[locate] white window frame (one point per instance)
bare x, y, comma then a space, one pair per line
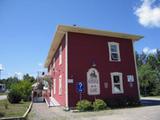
54, 85
110, 52
121, 82
60, 55
60, 85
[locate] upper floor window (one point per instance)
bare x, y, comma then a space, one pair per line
117, 83
60, 55
114, 53
54, 63
50, 69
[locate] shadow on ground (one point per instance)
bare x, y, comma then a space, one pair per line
149, 102
1, 114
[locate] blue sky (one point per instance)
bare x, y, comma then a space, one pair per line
27, 26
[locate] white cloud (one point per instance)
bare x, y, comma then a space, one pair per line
147, 50
0, 66
19, 75
40, 64
148, 13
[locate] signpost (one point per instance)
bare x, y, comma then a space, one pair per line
80, 89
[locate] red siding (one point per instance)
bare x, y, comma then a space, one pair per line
60, 70
85, 49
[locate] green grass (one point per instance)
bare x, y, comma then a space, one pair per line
156, 96
3, 93
152, 96
13, 110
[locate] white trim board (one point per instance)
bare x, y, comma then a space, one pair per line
66, 70
135, 62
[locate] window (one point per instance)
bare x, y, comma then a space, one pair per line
53, 63
60, 55
54, 85
117, 83
60, 85
50, 69
114, 54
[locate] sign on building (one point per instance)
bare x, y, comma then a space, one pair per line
80, 87
93, 83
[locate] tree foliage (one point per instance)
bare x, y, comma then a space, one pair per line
149, 73
12, 80
20, 89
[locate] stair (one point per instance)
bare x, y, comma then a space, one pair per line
51, 102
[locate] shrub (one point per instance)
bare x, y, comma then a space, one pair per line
25, 89
121, 102
84, 105
20, 90
131, 101
99, 104
14, 96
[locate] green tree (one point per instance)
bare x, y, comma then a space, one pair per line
148, 78
29, 78
21, 90
25, 87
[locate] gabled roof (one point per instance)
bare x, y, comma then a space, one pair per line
62, 29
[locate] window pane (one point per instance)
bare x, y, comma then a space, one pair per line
116, 79
113, 48
114, 56
117, 88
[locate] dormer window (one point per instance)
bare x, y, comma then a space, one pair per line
114, 53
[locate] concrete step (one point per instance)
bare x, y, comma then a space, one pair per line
51, 102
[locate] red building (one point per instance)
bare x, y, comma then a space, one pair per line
102, 61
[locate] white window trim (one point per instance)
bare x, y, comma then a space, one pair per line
110, 57
54, 85
60, 55
66, 69
121, 82
60, 85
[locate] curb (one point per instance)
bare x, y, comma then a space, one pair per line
28, 110
21, 117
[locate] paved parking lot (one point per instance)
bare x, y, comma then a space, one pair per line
40, 111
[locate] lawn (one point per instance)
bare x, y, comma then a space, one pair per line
13, 110
156, 96
3, 93
153, 96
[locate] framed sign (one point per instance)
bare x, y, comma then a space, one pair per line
130, 78
70, 80
93, 83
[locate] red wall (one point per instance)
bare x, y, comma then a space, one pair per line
60, 70
83, 49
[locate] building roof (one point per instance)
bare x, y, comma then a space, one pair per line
62, 29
